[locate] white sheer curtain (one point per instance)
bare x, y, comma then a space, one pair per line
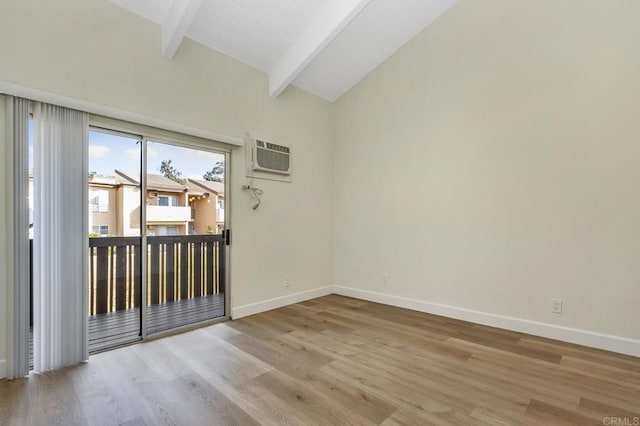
16, 137
21, 271
60, 245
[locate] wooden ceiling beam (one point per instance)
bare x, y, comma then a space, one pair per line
313, 40
177, 24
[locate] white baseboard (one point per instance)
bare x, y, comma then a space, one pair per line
617, 344
278, 302
3, 368
607, 342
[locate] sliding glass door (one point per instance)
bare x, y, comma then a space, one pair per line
115, 239
156, 241
184, 223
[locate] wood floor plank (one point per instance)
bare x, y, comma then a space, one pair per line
602, 371
261, 405
334, 360
269, 324
451, 381
312, 405
419, 397
201, 403
123, 374
15, 397
599, 410
498, 416
290, 315
216, 360
57, 400
549, 413
355, 398
625, 362
545, 380
94, 397
278, 354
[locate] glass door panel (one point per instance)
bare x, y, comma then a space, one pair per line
185, 247
115, 258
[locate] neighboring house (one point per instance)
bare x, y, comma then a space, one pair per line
103, 217
103, 212
172, 208
168, 212
206, 199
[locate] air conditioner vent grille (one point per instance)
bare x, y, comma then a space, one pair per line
271, 157
275, 161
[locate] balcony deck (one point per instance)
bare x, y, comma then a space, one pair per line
121, 327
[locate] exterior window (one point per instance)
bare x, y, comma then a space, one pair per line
221, 204
102, 230
167, 230
167, 200
99, 201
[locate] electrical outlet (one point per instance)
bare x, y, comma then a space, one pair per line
287, 284
385, 280
556, 306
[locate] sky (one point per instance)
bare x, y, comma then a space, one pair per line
108, 152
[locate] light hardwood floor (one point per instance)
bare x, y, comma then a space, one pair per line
335, 360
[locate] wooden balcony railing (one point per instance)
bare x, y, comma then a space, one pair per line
178, 268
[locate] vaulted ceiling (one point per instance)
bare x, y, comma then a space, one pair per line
323, 47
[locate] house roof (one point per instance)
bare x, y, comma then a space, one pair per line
154, 182
201, 187
100, 180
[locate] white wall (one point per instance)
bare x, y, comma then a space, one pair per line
493, 163
94, 51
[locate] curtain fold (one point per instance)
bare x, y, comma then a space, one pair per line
60, 245
21, 269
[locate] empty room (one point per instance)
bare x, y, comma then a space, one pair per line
303, 212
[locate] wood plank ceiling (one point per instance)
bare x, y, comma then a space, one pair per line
323, 47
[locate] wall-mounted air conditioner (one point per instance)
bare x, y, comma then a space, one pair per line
270, 157
267, 158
